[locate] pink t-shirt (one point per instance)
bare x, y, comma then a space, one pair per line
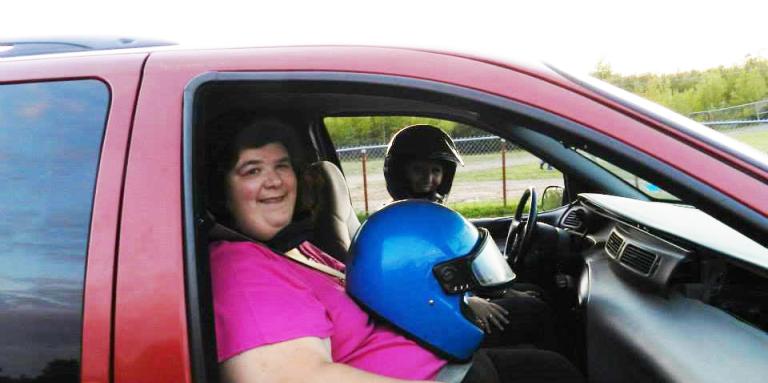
261, 298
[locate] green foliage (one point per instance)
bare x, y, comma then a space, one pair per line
712, 91
604, 72
749, 86
357, 131
552, 198
684, 92
483, 209
692, 91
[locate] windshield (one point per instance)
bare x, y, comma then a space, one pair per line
748, 144
645, 187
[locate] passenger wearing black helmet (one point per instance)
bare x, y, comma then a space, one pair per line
421, 163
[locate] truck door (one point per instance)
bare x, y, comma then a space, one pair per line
64, 127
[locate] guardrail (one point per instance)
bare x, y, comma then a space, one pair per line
736, 122
753, 111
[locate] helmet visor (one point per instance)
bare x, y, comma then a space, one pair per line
489, 267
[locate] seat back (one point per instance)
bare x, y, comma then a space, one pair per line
328, 199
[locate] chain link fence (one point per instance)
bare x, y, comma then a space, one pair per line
468, 145
488, 162
753, 113
494, 171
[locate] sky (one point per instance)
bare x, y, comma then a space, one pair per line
46, 216
633, 37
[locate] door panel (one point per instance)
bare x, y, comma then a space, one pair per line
121, 74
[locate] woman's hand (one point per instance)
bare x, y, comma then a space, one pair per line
488, 314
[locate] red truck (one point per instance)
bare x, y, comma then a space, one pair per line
103, 267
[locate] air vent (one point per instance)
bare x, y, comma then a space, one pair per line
613, 245
638, 259
574, 219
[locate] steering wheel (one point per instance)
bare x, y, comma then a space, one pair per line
520, 232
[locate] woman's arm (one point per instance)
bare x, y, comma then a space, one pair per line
299, 360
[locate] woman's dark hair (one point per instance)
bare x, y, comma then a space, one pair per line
234, 132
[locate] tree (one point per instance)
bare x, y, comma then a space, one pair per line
749, 86
604, 72
693, 91
60, 371
711, 92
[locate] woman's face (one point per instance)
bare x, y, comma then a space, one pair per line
424, 176
262, 191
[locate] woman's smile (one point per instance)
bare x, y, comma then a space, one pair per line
272, 200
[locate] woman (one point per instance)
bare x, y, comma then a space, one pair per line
279, 319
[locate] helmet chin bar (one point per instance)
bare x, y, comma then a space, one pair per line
455, 276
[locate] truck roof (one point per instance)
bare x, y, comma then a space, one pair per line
40, 45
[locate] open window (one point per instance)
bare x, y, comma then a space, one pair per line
331, 117
347, 119
489, 183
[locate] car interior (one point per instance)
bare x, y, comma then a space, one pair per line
642, 288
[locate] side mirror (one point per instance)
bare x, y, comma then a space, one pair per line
552, 198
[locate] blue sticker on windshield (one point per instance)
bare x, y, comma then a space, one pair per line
651, 187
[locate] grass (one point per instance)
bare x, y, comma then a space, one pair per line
482, 209
520, 166
525, 171
755, 138
473, 210
487, 209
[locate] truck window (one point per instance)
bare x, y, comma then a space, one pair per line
50, 139
491, 167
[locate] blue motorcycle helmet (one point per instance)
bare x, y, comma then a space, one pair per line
414, 262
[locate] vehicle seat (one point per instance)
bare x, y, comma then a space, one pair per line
327, 197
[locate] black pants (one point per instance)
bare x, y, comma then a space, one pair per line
530, 323
521, 366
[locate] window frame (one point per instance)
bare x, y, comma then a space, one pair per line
550, 123
83, 361
479, 127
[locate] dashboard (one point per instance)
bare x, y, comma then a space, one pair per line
670, 293
660, 242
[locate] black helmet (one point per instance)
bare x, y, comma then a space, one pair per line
420, 142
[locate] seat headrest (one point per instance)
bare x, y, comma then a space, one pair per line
327, 197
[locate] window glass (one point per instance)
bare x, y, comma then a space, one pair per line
50, 137
478, 187
638, 183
